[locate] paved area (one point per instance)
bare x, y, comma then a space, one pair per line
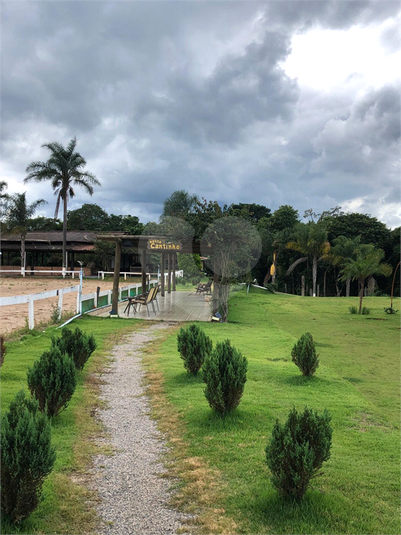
177, 306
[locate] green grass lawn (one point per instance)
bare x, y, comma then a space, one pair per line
66, 504
221, 460
358, 381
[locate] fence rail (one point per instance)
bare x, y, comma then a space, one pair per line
31, 298
85, 303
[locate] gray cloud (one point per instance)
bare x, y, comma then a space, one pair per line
194, 95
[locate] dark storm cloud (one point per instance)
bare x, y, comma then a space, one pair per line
242, 89
171, 95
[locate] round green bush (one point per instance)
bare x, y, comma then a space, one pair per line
27, 457
304, 355
224, 372
194, 346
297, 451
52, 380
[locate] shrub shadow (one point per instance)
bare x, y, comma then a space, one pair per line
303, 380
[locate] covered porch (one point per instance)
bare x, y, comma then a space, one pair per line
174, 306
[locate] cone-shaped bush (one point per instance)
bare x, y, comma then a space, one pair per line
297, 451
52, 380
27, 457
304, 355
224, 372
77, 344
194, 346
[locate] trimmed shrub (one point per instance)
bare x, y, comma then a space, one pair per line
304, 355
27, 457
77, 344
297, 451
224, 372
52, 380
3, 350
194, 346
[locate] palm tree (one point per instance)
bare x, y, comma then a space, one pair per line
281, 238
368, 262
4, 198
65, 170
343, 249
18, 216
311, 240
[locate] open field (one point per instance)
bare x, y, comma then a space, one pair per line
358, 381
220, 461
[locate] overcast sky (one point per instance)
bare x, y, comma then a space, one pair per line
280, 102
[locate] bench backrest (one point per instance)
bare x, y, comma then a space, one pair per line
151, 294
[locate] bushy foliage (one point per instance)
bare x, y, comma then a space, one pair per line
224, 372
52, 380
365, 311
353, 310
27, 457
77, 344
297, 451
3, 350
304, 355
194, 346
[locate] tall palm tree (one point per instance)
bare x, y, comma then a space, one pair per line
368, 262
342, 250
65, 170
18, 216
4, 198
310, 240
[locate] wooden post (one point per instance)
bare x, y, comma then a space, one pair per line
303, 285
143, 268
116, 279
285, 288
162, 274
169, 273
174, 257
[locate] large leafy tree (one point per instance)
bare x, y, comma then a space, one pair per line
65, 170
179, 204
353, 224
18, 216
88, 217
368, 262
311, 241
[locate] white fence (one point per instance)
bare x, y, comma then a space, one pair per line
81, 299
31, 298
101, 274
22, 271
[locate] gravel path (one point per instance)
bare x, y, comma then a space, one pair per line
134, 498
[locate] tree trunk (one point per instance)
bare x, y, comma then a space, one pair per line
64, 232
314, 275
361, 284
347, 287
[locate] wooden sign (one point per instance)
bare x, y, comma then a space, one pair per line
160, 245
